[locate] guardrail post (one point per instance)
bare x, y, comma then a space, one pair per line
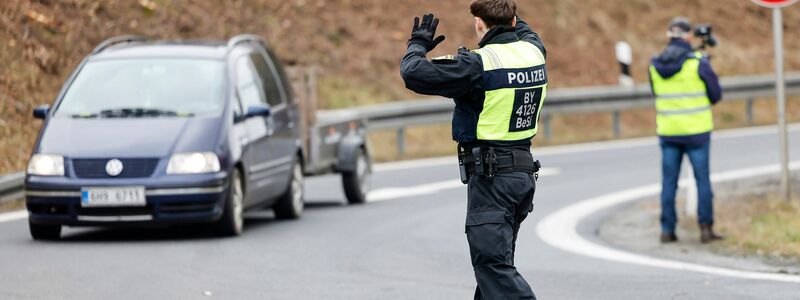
401, 141
749, 105
615, 116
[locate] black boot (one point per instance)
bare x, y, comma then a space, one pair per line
707, 234
668, 238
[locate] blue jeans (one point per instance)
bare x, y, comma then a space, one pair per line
671, 158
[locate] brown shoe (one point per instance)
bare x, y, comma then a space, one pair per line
668, 238
707, 234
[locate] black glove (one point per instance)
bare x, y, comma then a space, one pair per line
422, 34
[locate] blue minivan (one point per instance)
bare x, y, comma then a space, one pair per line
164, 133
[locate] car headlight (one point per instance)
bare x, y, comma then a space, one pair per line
193, 163
46, 165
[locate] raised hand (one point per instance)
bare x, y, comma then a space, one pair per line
423, 34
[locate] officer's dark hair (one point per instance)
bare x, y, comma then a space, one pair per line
494, 12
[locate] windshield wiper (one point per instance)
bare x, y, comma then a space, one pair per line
140, 112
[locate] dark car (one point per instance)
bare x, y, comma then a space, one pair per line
165, 133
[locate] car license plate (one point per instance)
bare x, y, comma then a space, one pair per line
117, 196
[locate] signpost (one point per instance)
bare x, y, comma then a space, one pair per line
780, 86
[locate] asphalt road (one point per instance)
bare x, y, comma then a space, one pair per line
410, 247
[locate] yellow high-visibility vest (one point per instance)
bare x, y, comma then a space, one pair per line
682, 104
515, 85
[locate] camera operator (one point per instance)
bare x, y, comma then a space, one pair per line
685, 87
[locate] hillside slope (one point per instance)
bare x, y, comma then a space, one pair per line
356, 43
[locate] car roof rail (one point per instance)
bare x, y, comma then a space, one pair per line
244, 38
118, 40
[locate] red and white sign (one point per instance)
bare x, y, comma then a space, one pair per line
775, 3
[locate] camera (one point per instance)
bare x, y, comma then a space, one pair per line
704, 32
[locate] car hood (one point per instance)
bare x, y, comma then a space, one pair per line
128, 137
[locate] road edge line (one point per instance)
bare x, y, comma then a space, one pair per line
13, 216
560, 229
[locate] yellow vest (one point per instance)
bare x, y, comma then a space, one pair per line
515, 85
682, 105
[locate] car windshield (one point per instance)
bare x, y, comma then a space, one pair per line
145, 88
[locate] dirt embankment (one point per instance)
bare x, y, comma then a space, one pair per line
356, 43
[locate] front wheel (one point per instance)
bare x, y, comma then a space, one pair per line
45, 232
232, 221
290, 205
357, 183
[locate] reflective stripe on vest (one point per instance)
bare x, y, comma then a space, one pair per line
515, 84
682, 105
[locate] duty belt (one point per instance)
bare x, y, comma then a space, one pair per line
486, 162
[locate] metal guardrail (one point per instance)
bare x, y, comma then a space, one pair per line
402, 114
10, 184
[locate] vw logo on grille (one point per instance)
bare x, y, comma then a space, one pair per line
114, 167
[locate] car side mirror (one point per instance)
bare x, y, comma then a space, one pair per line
257, 110
41, 111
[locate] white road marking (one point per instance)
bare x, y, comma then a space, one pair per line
584, 147
405, 192
559, 229
417, 163
13, 216
392, 193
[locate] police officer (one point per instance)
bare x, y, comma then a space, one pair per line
498, 91
685, 87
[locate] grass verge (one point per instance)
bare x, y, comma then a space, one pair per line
760, 224
754, 221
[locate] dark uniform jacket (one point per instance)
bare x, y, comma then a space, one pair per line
460, 78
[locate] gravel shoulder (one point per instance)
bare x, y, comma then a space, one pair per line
636, 228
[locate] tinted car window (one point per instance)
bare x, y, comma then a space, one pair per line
248, 83
267, 75
185, 86
284, 80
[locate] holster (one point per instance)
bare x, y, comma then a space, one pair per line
462, 167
